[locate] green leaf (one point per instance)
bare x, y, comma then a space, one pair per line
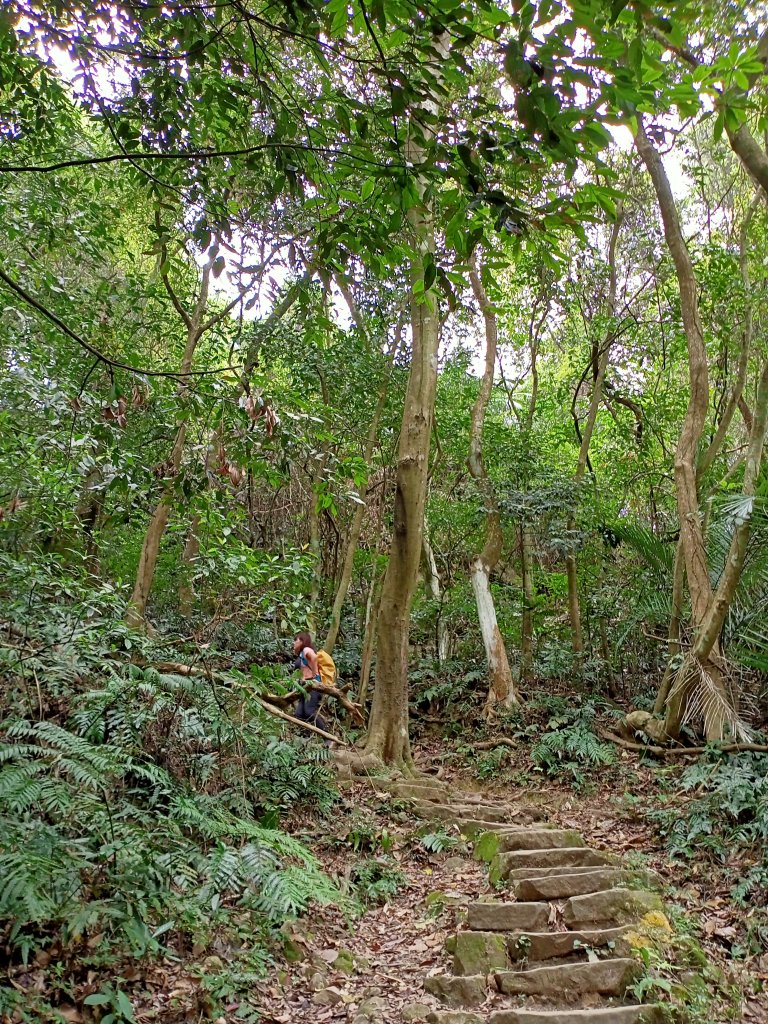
430, 272
125, 1005
97, 999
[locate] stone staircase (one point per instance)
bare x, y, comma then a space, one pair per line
552, 944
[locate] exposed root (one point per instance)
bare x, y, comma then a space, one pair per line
648, 748
502, 741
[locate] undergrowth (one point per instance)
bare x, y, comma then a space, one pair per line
139, 812
725, 820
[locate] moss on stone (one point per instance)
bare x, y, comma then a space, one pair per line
480, 953
486, 847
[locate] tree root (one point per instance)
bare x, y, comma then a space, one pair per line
502, 741
648, 748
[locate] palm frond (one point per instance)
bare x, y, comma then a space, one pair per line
708, 701
657, 554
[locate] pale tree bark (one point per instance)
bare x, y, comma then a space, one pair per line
435, 591
388, 737
735, 400
372, 605
571, 568
704, 667
501, 688
355, 527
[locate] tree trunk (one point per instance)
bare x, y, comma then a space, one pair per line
529, 598
372, 605
501, 688
136, 612
388, 731
709, 671
314, 550
435, 591
188, 559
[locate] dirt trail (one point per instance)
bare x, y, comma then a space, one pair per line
530, 925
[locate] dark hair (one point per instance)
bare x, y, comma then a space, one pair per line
306, 641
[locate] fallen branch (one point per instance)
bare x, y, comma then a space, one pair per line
297, 721
648, 748
490, 744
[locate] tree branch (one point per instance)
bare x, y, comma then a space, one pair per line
107, 360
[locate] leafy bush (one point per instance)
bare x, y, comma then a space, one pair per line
437, 840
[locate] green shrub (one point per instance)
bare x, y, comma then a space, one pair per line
729, 815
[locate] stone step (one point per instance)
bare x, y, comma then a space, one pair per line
558, 887
516, 874
604, 977
602, 1015
454, 1017
617, 906
573, 856
492, 813
468, 990
418, 791
548, 945
507, 917
540, 839
474, 814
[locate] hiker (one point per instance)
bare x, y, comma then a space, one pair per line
307, 661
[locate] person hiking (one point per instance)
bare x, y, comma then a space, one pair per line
308, 707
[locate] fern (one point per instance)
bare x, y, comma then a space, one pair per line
124, 836
571, 745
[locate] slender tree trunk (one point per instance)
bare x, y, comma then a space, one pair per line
372, 606
188, 559
501, 688
709, 671
388, 730
435, 590
529, 599
673, 636
136, 612
571, 568
314, 550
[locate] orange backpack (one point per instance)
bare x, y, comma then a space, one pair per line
327, 667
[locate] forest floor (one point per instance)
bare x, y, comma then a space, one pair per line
361, 970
